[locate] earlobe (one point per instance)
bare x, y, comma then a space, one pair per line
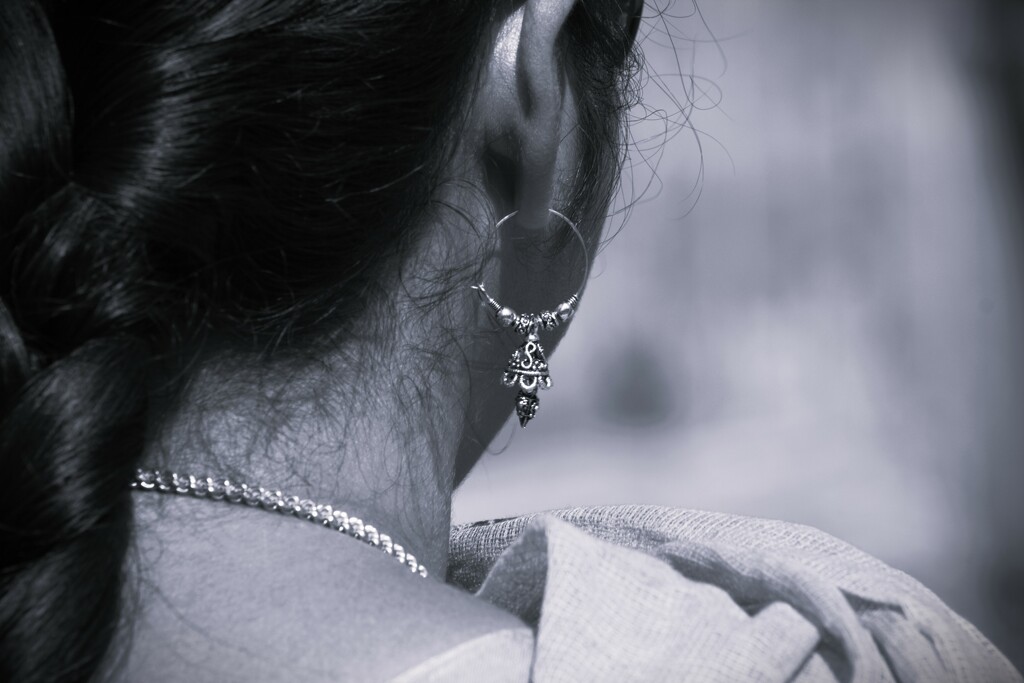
529, 104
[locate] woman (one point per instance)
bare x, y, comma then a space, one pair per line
240, 240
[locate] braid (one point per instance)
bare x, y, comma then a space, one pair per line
72, 405
66, 455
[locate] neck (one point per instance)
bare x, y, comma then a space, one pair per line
384, 454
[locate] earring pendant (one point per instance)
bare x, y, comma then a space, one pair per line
527, 368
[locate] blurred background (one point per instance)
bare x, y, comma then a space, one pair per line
814, 309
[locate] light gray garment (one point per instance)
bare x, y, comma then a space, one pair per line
639, 593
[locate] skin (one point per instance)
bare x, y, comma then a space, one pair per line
379, 426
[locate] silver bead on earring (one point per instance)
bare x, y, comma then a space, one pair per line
528, 366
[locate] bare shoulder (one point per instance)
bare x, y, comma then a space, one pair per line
259, 602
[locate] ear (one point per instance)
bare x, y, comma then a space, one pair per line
528, 108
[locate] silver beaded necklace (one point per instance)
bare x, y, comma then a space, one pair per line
274, 501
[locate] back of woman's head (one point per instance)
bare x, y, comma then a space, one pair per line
170, 169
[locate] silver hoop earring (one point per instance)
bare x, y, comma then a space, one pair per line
528, 366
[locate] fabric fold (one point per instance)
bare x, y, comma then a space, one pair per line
636, 593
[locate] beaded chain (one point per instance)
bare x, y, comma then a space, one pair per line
274, 501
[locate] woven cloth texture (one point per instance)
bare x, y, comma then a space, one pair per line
642, 593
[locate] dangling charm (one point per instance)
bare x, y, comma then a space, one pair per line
526, 407
527, 369
528, 366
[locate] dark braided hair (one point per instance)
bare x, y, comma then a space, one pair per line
172, 167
